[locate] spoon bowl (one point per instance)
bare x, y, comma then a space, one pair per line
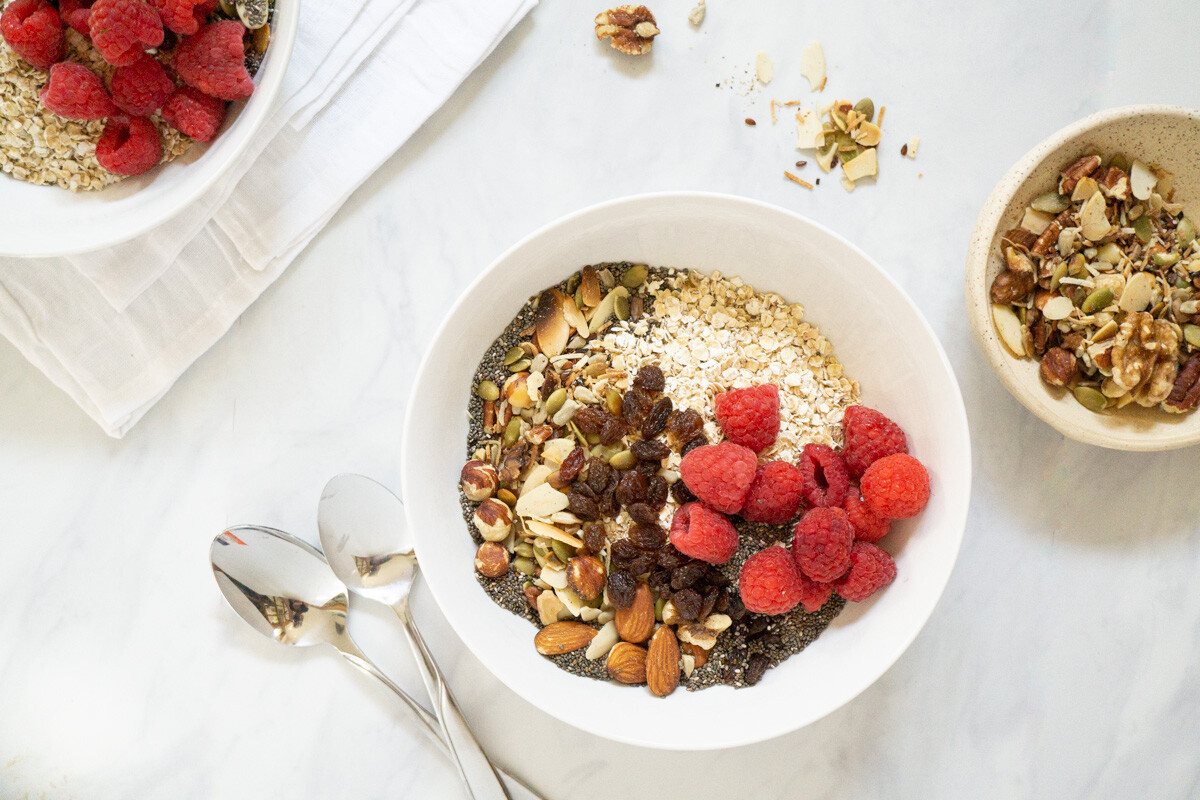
365, 537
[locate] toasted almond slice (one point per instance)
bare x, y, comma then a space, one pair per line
809, 135
1138, 292
1142, 180
551, 324
764, 68
574, 316
868, 134
549, 607
1092, 220
539, 528
589, 287
536, 477
1058, 307
1086, 187
541, 501
864, 165
812, 66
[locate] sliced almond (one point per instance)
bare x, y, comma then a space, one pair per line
865, 165
868, 134
589, 287
662, 662
1139, 290
764, 68
549, 607
1142, 180
809, 134
539, 528
1092, 220
636, 623
554, 578
563, 637
627, 663
603, 641
574, 316
541, 501
537, 476
1057, 307
550, 323
1086, 187
812, 66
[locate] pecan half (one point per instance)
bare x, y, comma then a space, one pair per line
1071, 175
630, 29
1113, 182
1185, 394
1049, 237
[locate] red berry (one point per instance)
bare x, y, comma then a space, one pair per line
868, 526
77, 14
896, 486
775, 494
749, 417
142, 87
194, 113
813, 595
719, 474
769, 582
75, 92
124, 29
34, 31
182, 16
824, 475
129, 145
869, 437
822, 544
214, 61
871, 569
702, 533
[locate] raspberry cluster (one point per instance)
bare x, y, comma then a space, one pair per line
209, 59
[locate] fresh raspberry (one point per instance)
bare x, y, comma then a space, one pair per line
896, 486
702, 533
142, 87
869, 437
813, 595
822, 544
769, 582
129, 145
214, 61
774, 497
194, 113
719, 474
34, 31
749, 417
824, 475
182, 16
78, 15
871, 569
75, 92
868, 526
124, 29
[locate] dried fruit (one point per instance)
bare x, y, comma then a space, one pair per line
650, 450
662, 662
647, 536
756, 667
563, 637
635, 623
622, 589
656, 420
627, 663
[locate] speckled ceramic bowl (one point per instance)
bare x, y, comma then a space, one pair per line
1165, 136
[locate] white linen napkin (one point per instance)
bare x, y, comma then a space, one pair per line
116, 359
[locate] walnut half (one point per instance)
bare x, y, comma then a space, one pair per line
1185, 396
630, 29
1143, 358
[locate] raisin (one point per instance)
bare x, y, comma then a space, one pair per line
771, 640
642, 564
687, 603
656, 492
710, 602
582, 507
684, 424
650, 450
582, 488
572, 465
623, 551
693, 443
642, 513
635, 406
685, 576
612, 430
610, 506
756, 628
598, 475
715, 577
647, 537
755, 668
734, 607
589, 419
621, 588
594, 536
650, 378
670, 558
632, 488
660, 582
656, 420
681, 493
648, 468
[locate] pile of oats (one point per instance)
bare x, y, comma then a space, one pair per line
38, 146
710, 334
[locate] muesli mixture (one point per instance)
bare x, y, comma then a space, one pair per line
1102, 285
641, 442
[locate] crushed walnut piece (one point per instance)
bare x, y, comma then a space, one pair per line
630, 29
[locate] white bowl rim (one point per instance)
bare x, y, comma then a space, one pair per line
978, 310
450, 610
251, 118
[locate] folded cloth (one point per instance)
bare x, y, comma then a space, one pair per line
117, 362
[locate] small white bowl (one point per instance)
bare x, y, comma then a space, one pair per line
880, 337
49, 221
1164, 136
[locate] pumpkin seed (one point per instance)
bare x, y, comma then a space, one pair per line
621, 307
1185, 231
1192, 334
523, 565
866, 107
1090, 398
612, 399
512, 432
593, 438
625, 459
1051, 203
1165, 259
605, 451
1059, 273
514, 355
488, 390
635, 276
554, 402
519, 366
573, 283
1097, 300
524, 549
507, 497
563, 550
1077, 266
1143, 230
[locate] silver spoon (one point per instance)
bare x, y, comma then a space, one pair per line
283, 587
365, 537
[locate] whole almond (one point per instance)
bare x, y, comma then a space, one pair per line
636, 623
563, 637
627, 663
662, 662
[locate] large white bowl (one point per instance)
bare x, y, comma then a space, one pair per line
880, 337
49, 221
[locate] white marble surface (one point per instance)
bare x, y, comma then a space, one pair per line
1062, 661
